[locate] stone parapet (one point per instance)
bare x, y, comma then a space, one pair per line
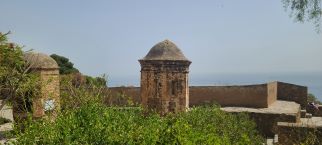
266, 118
292, 92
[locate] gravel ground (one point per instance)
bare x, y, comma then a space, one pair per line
6, 112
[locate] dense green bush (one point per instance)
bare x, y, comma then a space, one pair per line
97, 124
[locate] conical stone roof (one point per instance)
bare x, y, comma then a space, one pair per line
165, 50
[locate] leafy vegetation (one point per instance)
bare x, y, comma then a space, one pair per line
65, 66
15, 80
67, 69
94, 123
86, 119
312, 98
74, 96
305, 10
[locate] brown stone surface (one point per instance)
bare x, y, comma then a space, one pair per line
292, 92
256, 96
294, 133
128, 92
164, 79
267, 118
271, 92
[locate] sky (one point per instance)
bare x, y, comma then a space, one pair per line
218, 36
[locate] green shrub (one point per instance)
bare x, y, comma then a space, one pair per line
97, 124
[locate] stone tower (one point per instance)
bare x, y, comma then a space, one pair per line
164, 79
46, 100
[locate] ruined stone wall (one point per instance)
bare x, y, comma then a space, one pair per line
291, 92
266, 123
296, 133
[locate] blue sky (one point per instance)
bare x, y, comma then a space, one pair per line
109, 36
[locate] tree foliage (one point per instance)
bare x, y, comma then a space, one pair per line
305, 10
15, 80
312, 98
65, 66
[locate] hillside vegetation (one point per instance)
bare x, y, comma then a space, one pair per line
97, 124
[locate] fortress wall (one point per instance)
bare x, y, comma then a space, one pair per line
291, 92
241, 96
257, 96
131, 92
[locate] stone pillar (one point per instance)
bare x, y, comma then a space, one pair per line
45, 100
164, 79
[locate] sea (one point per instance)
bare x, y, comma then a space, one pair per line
312, 80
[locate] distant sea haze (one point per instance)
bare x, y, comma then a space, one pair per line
312, 80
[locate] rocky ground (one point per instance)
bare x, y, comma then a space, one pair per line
6, 112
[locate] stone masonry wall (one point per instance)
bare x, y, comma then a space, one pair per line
291, 92
247, 96
260, 95
50, 93
129, 92
242, 96
165, 86
296, 133
267, 122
